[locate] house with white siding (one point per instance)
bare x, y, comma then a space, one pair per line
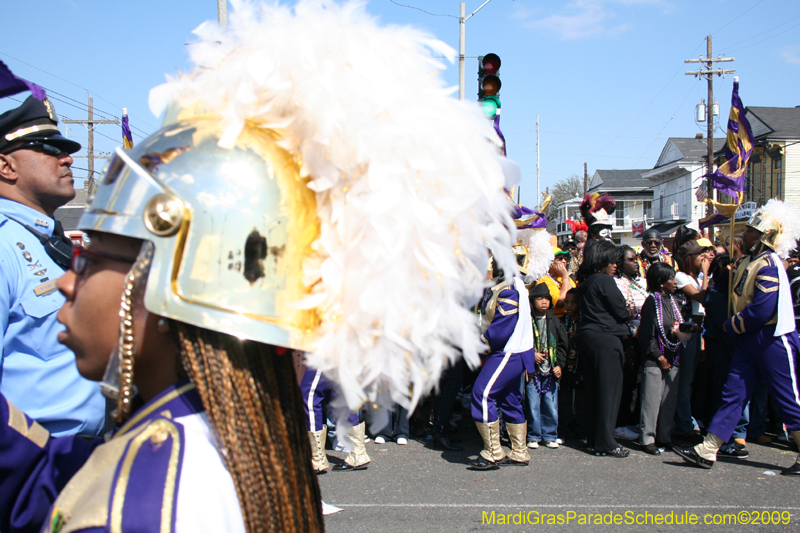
774, 167
675, 179
634, 197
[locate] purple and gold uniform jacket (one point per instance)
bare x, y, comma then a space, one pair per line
161, 471
500, 310
755, 295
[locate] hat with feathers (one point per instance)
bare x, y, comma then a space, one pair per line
597, 208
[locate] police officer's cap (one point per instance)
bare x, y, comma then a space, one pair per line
33, 121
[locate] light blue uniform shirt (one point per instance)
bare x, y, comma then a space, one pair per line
37, 373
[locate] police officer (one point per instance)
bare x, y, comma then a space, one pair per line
37, 373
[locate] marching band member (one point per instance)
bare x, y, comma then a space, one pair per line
766, 342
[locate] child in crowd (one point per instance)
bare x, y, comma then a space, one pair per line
568, 393
550, 344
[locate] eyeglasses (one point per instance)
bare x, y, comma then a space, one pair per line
47, 148
82, 258
651, 243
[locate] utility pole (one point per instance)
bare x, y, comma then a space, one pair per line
585, 179
90, 123
538, 178
708, 73
462, 44
222, 13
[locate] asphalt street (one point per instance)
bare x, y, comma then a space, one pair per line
417, 488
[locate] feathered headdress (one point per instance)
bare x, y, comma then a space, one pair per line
576, 226
534, 239
597, 209
780, 224
409, 190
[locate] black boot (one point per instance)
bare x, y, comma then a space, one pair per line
442, 441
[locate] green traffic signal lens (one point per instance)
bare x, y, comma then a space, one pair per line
490, 106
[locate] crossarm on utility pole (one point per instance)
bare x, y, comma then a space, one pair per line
481, 7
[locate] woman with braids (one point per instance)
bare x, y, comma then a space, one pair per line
604, 322
262, 218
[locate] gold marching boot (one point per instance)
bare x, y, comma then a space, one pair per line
492, 455
794, 470
319, 460
358, 458
518, 434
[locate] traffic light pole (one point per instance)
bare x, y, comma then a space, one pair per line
462, 44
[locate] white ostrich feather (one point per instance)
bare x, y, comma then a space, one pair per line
787, 217
408, 186
540, 251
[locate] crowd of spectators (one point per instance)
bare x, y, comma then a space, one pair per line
637, 350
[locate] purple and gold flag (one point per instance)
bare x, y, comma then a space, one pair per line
127, 136
730, 176
10, 84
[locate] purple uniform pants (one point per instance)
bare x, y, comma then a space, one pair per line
758, 355
498, 387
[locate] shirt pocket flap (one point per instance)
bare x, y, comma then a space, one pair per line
41, 306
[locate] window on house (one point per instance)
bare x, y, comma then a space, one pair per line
620, 211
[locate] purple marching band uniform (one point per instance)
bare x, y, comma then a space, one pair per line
151, 475
509, 337
316, 389
758, 352
766, 346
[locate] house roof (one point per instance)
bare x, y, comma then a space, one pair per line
81, 197
615, 180
774, 122
687, 149
69, 216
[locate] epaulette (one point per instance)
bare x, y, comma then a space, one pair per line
138, 494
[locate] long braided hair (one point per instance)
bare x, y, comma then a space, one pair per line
251, 398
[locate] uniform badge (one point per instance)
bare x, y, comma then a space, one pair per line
27, 256
43, 280
20, 246
42, 272
51, 110
45, 288
42, 223
34, 266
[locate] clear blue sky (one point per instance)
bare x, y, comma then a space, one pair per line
605, 76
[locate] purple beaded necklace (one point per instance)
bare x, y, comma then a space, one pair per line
663, 340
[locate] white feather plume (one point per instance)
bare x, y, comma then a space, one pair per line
540, 251
408, 188
788, 219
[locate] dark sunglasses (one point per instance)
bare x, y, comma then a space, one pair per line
650, 243
47, 148
82, 258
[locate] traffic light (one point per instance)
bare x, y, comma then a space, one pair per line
489, 84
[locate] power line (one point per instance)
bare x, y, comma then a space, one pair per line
426, 12
737, 18
75, 84
670, 120
767, 39
765, 32
643, 110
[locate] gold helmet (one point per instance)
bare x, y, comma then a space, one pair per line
779, 225
230, 229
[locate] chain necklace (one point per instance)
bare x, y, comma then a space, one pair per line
539, 379
663, 340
